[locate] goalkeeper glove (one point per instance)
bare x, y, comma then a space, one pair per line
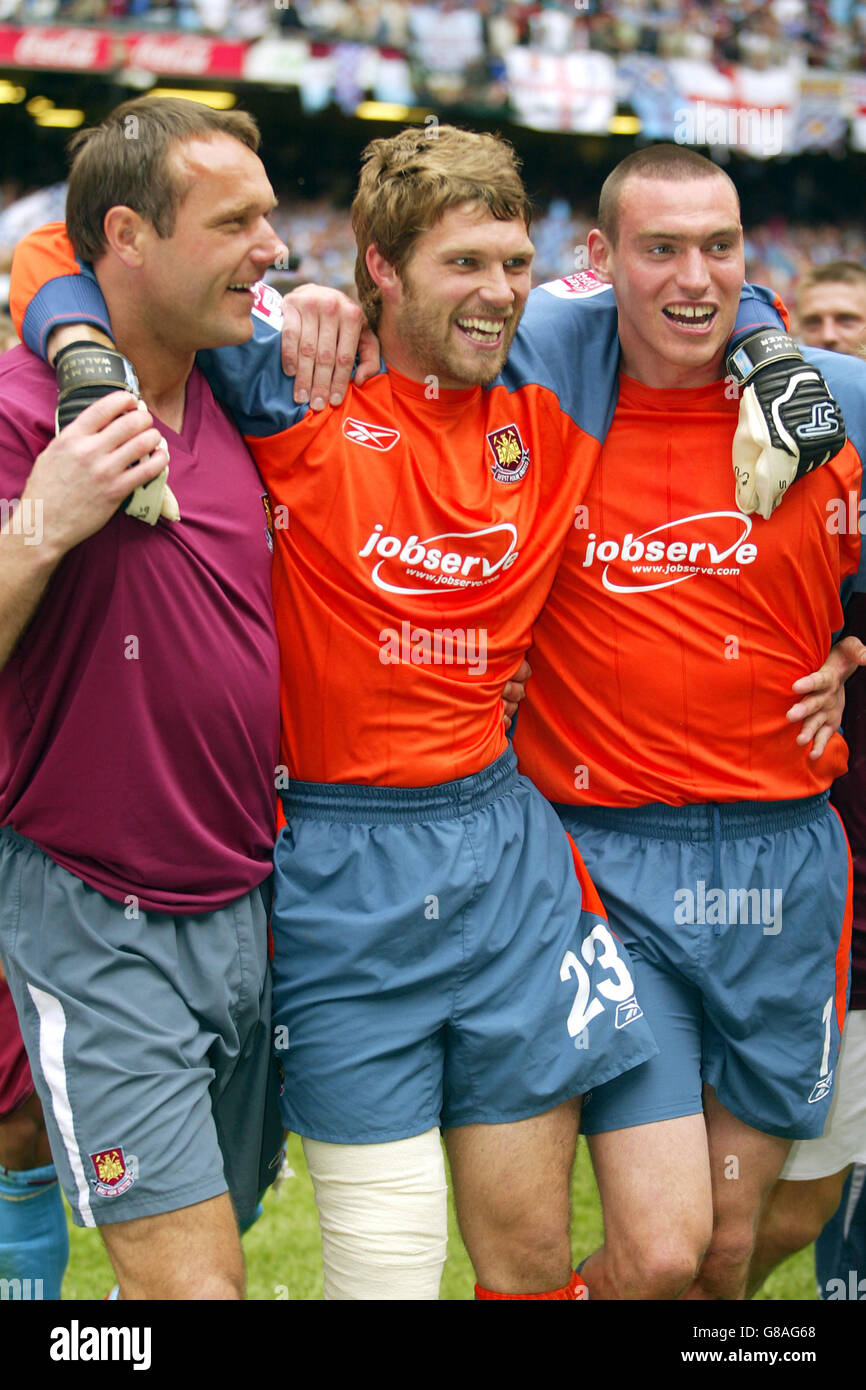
789, 422
85, 373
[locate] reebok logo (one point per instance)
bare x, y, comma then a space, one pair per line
821, 1088
370, 436
627, 1012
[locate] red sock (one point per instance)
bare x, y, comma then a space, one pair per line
575, 1289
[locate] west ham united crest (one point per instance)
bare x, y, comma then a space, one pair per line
510, 456
115, 1173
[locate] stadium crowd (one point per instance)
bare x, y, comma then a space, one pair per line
319, 237
823, 33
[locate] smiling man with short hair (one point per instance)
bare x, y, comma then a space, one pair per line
699, 808
139, 725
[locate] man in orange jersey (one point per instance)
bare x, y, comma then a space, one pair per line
424, 522
663, 667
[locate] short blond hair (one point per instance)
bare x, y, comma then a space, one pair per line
408, 182
830, 273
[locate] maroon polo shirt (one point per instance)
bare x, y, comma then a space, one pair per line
139, 713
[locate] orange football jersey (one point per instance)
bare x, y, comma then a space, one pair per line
664, 659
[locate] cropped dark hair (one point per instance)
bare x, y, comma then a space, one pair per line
128, 161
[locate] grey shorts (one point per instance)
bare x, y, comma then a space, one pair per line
149, 1039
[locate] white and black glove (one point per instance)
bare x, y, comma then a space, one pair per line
85, 373
789, 422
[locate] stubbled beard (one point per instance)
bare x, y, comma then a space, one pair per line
443, 359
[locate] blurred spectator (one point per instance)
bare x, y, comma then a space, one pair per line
552, 28
81, 11
830, 307
212, 15
393, 30
289, 18
778, 253
250, 19
327, 17
446, 37
503, 27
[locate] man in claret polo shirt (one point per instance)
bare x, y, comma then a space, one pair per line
139, 720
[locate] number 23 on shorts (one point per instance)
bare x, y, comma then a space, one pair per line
598, 947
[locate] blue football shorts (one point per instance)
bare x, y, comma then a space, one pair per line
439, 962
737, 919
149, 1040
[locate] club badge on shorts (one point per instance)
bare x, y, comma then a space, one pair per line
115, 1172
510, 455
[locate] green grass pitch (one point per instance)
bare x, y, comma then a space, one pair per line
284, 1259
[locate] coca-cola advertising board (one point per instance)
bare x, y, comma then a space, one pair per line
73, 48
80, 49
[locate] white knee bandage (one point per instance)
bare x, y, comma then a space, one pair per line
383, 1214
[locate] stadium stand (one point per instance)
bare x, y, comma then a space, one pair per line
823, 33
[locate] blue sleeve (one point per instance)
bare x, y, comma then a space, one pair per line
846, 378
68, 299
248, 379
567, 341
757, 309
